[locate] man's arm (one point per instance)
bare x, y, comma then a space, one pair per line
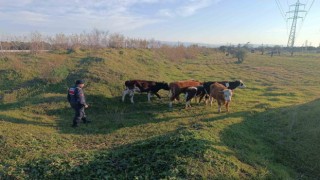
81, 98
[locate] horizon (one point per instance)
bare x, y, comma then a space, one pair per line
194, 21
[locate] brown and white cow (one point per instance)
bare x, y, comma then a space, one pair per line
222, 94
178, 87
229, 84
151, 87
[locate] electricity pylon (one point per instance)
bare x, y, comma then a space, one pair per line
294, 18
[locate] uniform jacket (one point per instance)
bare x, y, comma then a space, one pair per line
76, 96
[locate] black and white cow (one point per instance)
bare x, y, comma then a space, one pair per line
193, 92
150, 87
178, 87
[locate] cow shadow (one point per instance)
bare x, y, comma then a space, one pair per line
282, 140
158, 157
109, 114
106, 113
26, 111
36, 121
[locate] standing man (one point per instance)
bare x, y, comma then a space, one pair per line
77, 101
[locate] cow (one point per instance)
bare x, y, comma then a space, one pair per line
222, 94
229, 84
192, 92
178, 87
151, 87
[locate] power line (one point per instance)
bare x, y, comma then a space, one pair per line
280, 9
309, 8
305, 16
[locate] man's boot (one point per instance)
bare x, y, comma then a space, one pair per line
86, 120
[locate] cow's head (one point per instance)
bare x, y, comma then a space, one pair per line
241, 84
227, 93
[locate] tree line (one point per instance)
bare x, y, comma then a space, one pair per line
95, 39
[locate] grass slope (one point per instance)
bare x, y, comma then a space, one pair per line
272, 131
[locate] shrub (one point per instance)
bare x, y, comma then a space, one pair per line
241, 55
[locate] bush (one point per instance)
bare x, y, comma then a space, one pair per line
54, 74
241, 55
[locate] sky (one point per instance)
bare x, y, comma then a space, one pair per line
197, 21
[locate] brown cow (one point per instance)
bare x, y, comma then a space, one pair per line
222, 94
229, 84
151, 87
178, 87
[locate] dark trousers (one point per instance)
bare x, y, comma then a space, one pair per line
79, 114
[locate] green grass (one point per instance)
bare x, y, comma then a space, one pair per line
272, 131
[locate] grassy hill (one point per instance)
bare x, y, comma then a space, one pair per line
272, 131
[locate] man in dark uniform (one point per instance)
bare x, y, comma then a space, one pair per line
77, 101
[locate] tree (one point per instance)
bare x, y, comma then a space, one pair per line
223, 49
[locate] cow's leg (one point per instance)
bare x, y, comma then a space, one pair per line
207, 98
200, 98
211, 100
124, 93
170, 104
158, 96
188, 104
131, 95
186, 96
227, 106
187, 100
149, 96
219, 106
172, 98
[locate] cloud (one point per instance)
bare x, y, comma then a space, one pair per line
186, 8
192, 7
14, 3
166, 13
113, 15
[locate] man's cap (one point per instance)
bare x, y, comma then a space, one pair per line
80, 81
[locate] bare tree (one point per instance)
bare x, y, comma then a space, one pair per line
94, 39
36, 43
153, 44
116, 41
77, 41
59, 41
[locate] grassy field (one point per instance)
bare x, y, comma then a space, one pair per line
272, 131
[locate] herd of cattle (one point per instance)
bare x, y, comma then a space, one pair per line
221, 91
